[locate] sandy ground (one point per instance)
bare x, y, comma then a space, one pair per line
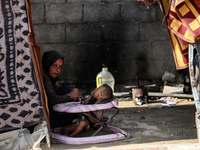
149, 125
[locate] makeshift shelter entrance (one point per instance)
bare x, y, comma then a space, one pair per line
22, 98
182, 18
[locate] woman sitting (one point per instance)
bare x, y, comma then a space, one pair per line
52, 63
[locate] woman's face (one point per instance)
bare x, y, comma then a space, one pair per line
56, 68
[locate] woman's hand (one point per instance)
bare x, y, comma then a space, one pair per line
74, 94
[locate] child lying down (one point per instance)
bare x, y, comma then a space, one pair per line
103, 94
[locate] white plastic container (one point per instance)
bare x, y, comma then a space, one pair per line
105, 77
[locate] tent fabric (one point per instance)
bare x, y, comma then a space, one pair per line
183, 25
21, 90
184, 19
180, 51
37, 63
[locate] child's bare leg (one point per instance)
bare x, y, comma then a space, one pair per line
70, 128
82, 124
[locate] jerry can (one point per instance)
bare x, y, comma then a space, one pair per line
105, 77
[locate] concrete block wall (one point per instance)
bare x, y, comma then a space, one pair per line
122, 34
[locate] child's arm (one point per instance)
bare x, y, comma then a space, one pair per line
86, 101
98, 101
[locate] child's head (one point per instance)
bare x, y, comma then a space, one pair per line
103, 92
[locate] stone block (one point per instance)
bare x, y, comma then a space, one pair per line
128, 31
129, 69
49, 33
137, 13
157, 68
63, 13
159, 13
101, 12
161, 50
118, 31
83, 1
153, 31
37, 13
47, 1
96, 32
75, 52
134, 51
133, 2
111, 1
81, 72
83, 32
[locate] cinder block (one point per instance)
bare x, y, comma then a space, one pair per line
47, 1
111, 1
153, 31
137, 50
159, 13
63, 13
133, 2
161, 50
156, 68
128, 31
137, 13
128, 70
37, 13
101, 12
74, 52
49, 33
95, 32
83, 33
83, 1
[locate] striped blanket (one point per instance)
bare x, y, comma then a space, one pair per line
20, 97
183, 22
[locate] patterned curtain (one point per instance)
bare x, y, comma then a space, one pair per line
21, 88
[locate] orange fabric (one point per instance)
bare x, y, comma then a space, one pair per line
183, 27
180, 50
36, 58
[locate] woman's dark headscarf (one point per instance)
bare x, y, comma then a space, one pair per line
48, 59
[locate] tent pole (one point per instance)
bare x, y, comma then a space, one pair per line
194, 87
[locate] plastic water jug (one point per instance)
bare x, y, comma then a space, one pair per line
105, 77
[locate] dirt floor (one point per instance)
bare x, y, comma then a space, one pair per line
148, 124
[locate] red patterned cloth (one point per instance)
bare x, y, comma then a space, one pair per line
183, 22
184, 25
148, 2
